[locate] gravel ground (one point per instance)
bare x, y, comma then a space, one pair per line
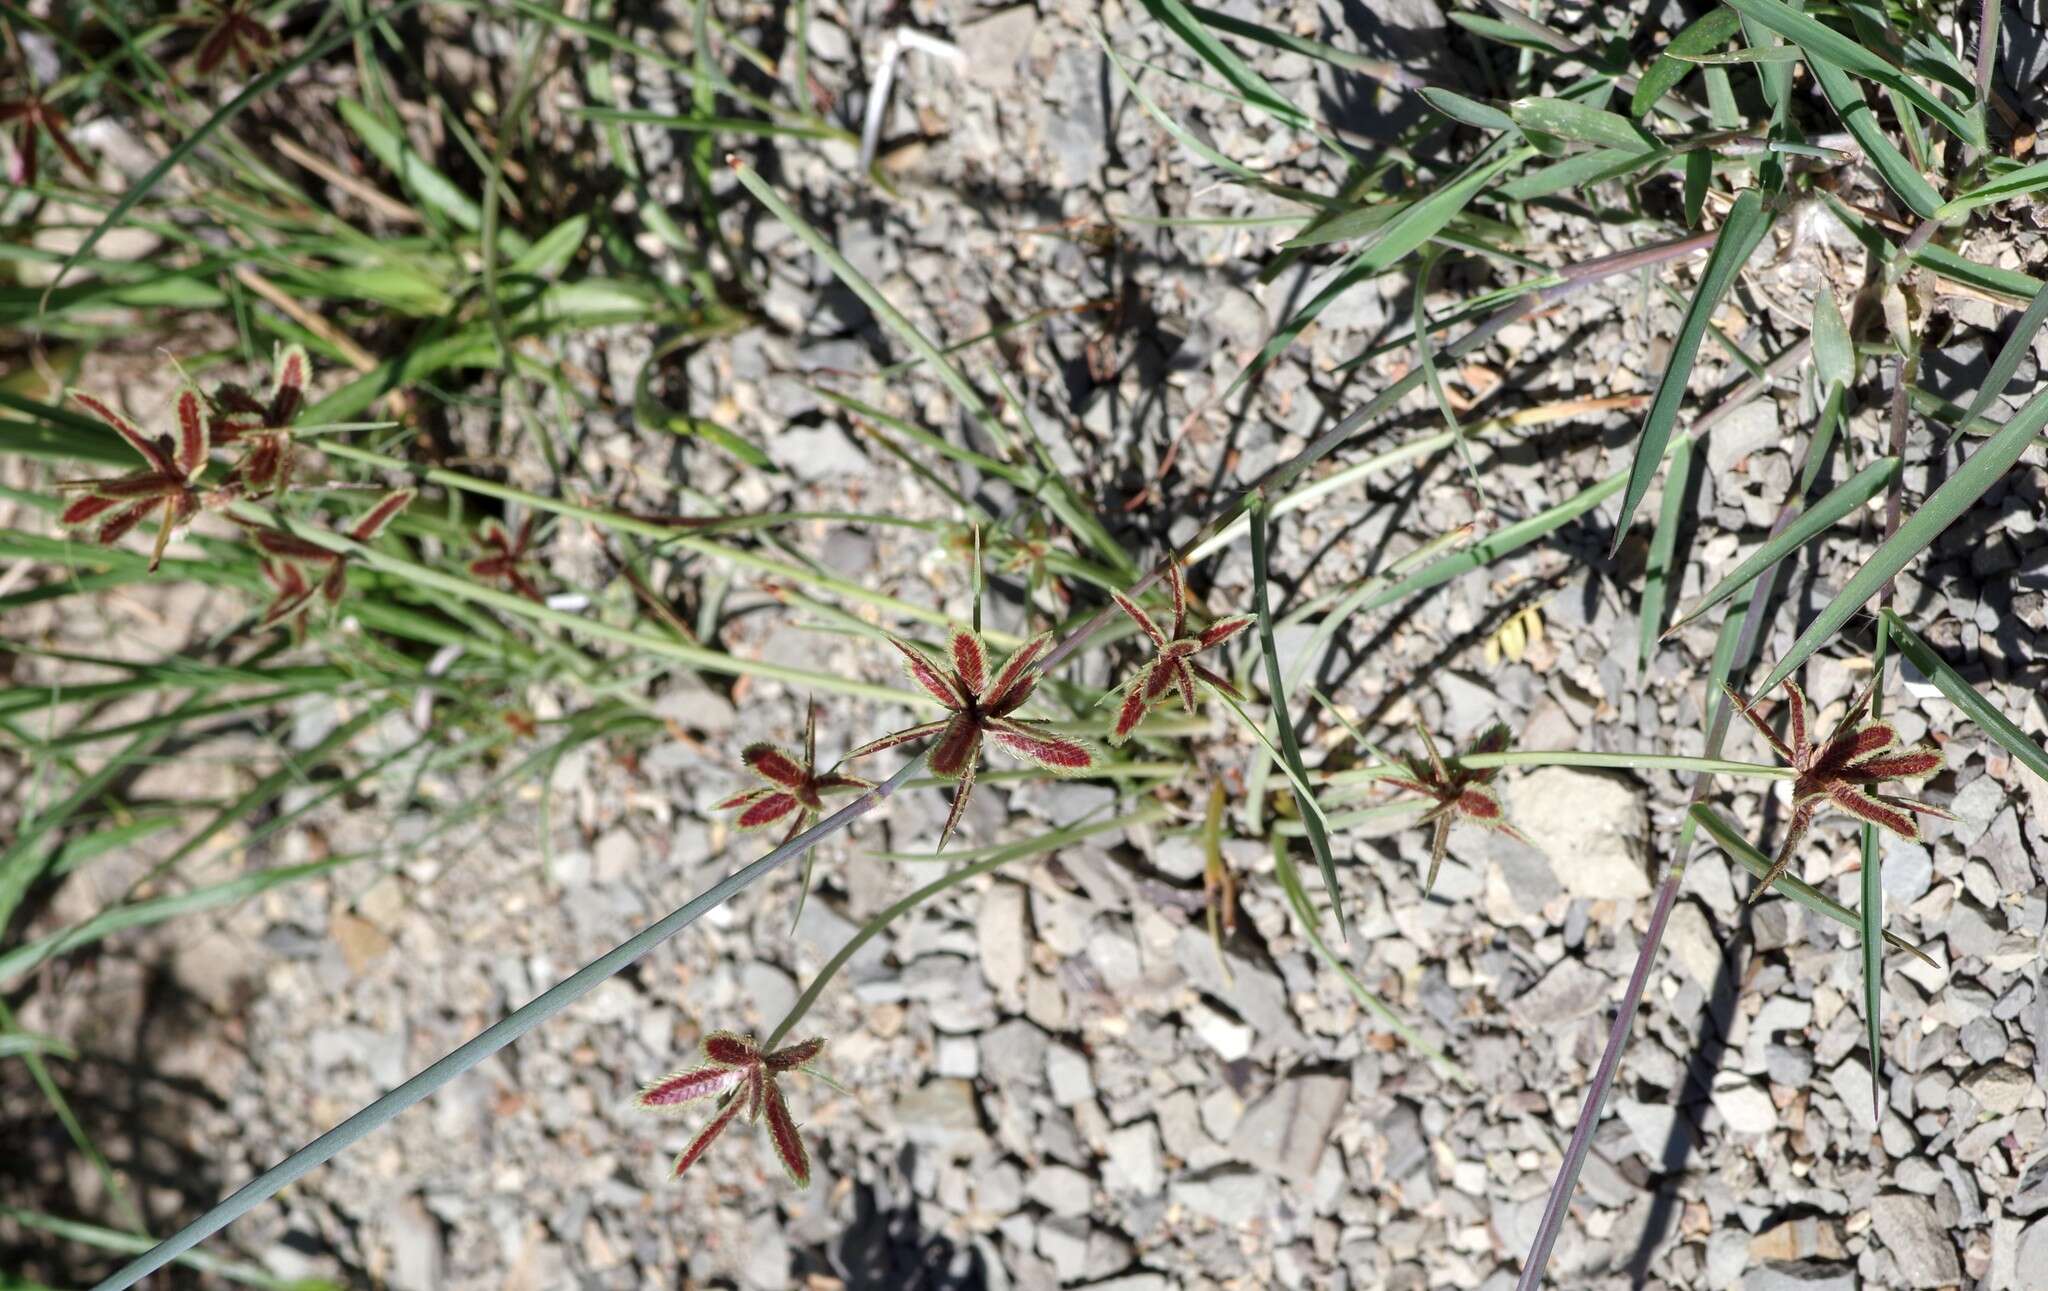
1050, 1077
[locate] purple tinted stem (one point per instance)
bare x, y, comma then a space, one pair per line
1603, 1080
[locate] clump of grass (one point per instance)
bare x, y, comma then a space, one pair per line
485, 294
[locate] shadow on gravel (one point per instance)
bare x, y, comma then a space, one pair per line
885, 1249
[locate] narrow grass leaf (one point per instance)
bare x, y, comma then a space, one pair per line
1175, 17
1710, 30
1283, 721
488, 1041
1699, 173
1418, 221
1817, 519
2010, 356
1978, 473
1834, 353
1304, 910
1826, 45
1663, 544
1747, 222
1745, 853
1898, 171
1965, 696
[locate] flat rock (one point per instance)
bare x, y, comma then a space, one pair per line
1999, 1087
1566, 993
1285, 1132
1233, 1195
1590, 825
1917, 1239
1800, 1275
1746, 1108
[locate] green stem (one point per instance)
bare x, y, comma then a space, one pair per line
1574, 758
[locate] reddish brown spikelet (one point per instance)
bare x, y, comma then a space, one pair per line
32, 116
232, 30
1842, 771
1456, 793
748, 1078
506, 557
980, 708
1172, 668
168, 483
302, 558
797, 785
263, 428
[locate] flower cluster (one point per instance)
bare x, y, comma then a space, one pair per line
261, 433
737, 1068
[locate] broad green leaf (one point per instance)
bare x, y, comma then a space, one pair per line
1984, 277
1979, 472
418, 176
1821, 516
1581, 171
1965, 696
1471, 112
1826, 45
1569, 119
2016, 183
1710, 30
1699, 172
553, 250
1747, 222
1834, 353
1900, 174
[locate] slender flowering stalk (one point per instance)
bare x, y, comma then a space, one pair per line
1172, 666
508, 557
737, 1068
168, 482
981, 709
1843, 772
1463, 793
795, 787
289, 558
263, 427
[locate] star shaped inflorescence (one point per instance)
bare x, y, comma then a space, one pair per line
298, 570
506, 557
981, 708
1172, 666
795, 787
1464, 794
737, 1067
168, 482
1843, 771
262, 427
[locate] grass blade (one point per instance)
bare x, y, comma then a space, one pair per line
1283, 722
1297, 896
1899, 173
1710, 31
2010, 355
1840, 501
1747, 221
1657, 575
1745, 853
489, 1041
1419, 221
1823, 44
1984, 468
1963, 695
1256, 90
